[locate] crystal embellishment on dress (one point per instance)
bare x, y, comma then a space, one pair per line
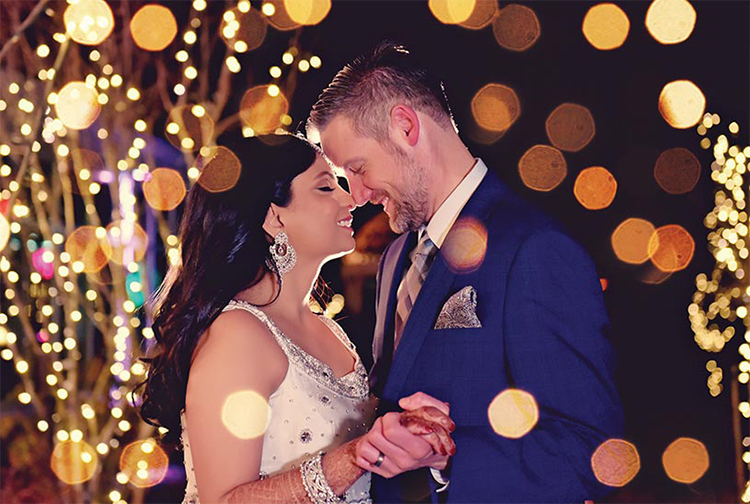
305, 436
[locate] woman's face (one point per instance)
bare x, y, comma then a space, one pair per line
318, 219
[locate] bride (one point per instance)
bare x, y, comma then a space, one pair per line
269, 400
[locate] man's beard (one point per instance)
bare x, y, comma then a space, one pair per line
410, 210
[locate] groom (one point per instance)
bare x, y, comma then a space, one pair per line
525, 313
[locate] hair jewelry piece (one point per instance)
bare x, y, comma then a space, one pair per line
283, 255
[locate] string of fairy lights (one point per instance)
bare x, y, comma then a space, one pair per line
720, 302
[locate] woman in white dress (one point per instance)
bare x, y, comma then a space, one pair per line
269, 400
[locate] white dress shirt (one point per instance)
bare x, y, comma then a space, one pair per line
439, 226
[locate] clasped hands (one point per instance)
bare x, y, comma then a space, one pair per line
417, 437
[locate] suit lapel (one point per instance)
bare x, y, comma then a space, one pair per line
434, 291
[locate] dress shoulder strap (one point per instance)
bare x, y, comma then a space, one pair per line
281, 339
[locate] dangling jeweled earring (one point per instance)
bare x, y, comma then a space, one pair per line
283, 254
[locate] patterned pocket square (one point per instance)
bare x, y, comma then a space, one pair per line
460, 311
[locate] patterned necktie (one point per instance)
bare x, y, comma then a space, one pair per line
421, 260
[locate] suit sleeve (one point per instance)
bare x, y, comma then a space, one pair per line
556, 343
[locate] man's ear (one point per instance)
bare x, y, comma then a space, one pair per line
405, 124
272, 225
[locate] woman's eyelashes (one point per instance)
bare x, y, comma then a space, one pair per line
327, 189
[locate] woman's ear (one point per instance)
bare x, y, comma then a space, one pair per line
272, 225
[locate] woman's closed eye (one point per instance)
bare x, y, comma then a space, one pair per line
327, 189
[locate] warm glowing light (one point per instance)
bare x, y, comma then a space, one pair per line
74, 462
144, 463
682, 104
606, 26
677, 170
670, 21
220, 169
495, 107
4, 231
307, 12
570, 127
164, 189
631, 239
452, 11
153, 27
261, 111
513, 413
671, 248
189, 127
595, 188
88, 22
516, 27
542, 168
77, 105
465, 246
616, 462
88, 249
279, 19
685, 460
246, 414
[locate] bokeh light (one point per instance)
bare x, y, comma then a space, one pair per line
189, 127
220, 169
542, 168
262, 108
681, 104
677, 170
631, 239
616, 462
606, 26
516, 27
451, 11
144, 463
465, 246
670, 21
671, 248
77, 105
243, 31
153, 27
570, 127
595, 188
685, 460
128, 240
513, 413
88, 246
482, 15
280, 18
246, 414
495, 107
307, 12
88, 22
164, 189
74, 462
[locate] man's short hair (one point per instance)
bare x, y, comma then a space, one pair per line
366, 90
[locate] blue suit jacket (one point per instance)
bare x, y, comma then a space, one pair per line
544, 330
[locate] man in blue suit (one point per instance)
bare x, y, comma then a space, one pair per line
461, 323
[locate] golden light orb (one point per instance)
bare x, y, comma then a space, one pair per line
164, 189
570, 127
220, 169
513, 413
685, 460
307, 12
671, 248
670, 21
631, 239
451, 11
153, 27
77, 105
616, 462
88, 22
495, 107
516, 27
73, 462
682, 104
606, 26
246, 414
595, 188
542, 168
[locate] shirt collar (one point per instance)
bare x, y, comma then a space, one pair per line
440, 223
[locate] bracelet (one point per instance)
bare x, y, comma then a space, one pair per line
316, 486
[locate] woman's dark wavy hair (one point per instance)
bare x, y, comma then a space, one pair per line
224, 251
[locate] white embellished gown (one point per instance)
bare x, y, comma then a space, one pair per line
311, 411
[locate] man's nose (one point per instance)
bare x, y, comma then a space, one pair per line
360, 193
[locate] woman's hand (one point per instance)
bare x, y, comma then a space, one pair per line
433, 425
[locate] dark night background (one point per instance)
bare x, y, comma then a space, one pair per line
661, 375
